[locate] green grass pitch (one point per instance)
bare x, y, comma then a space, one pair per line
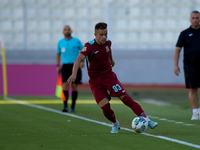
26, 127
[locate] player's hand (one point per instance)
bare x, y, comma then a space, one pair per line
176, 70
112, 62
71, 79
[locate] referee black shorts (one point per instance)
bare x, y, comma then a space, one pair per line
66, 72
192, 76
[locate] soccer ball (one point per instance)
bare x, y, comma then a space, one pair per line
139, 124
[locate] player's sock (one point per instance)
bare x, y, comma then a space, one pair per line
116, 123
195, 111
109, 113
66, 96
145, 116
137, 109
74, 97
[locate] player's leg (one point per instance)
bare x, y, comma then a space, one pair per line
137, 109
107, 111
109, 114
102, 99
116, 90
193, 98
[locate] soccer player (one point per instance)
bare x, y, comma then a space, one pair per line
68, 48
99, 64
190, 40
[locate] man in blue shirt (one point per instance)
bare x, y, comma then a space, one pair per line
68, 49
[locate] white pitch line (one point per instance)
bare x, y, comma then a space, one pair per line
102, 123
163, 103
164, 119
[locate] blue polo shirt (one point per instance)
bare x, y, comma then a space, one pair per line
69, 49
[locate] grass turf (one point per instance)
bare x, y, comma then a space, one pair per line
23, 127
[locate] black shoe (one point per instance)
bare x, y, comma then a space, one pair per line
73, 110
65, 110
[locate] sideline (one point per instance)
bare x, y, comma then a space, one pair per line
93, 102
98, 122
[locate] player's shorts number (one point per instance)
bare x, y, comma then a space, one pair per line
116, 87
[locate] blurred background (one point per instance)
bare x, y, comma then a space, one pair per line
143, 34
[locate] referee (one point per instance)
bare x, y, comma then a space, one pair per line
68, 49
189, 39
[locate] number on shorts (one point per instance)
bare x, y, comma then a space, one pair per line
116, 87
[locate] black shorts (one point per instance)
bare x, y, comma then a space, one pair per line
66, 72
192, 76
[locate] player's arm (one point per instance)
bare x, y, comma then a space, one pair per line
82, 64
76, 66
58, 63
176, 60
112, 62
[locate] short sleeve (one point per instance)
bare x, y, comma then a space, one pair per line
87, 49
180, 41
58, 48
80, 45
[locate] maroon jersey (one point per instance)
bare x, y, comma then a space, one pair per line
97, 57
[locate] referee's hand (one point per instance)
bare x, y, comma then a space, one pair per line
58, 69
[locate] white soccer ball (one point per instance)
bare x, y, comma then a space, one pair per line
139, 124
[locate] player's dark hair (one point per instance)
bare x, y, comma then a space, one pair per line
100, 25
195, 11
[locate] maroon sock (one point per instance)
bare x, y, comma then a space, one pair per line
108, 113
137, 109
